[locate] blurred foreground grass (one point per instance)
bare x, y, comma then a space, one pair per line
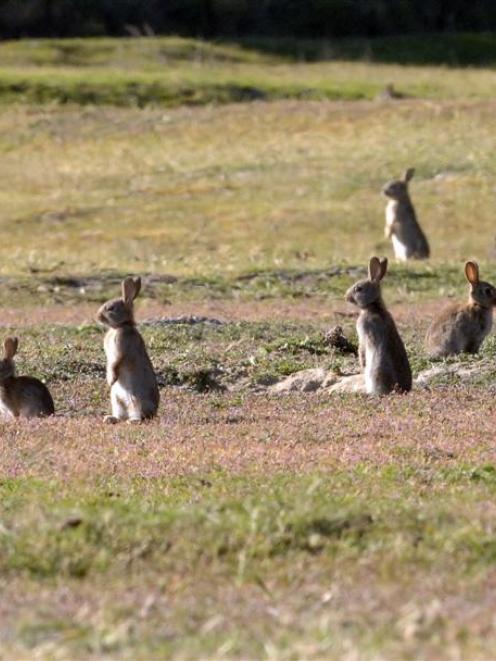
394, 561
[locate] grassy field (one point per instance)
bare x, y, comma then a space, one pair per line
171, 72
225, 191
241, 523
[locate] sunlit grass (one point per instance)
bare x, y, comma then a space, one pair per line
172, 71
240, 523
229, 190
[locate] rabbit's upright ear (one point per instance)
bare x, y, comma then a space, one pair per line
130, 289
472, 272
408, 175
10, 345
375, 269
384, 265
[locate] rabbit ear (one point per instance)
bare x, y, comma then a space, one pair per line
472, 272
377, 269
408, 175
10, 345
130, 289
384, 265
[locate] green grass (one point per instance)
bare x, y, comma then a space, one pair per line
152, 52
254, 537
222, 192
456, 50
241, 524
170, 72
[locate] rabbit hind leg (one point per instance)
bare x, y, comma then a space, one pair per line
119, 405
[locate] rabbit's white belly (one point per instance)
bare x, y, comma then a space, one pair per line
390, 214
400, 249
122, 391
5, 411
370, 369
371, 359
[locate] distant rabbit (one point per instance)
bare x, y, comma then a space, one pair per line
462, 327
402, 227
381, 350
134, 392
21, 396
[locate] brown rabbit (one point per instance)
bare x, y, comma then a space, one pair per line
382, 353
463, 326
134, 391
21, 396
402, 227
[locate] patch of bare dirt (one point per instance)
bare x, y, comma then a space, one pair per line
318, 310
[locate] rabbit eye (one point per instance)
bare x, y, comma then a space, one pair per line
359, 288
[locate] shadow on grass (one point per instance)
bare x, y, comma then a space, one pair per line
453, 50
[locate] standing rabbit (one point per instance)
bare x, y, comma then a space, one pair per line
402, 227
134, 392
463, 326
381, 350
21, 396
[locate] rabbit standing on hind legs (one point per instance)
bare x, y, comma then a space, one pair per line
134, 391
382, 353
402, 227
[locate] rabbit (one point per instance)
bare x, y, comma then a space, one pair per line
381, 351
133, 385
462, 327
402, 227
21, 396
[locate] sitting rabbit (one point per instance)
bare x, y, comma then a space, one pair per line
462, 327
21, 396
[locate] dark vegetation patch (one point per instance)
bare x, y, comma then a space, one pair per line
456, 49
449, 49
43, 288
137, 73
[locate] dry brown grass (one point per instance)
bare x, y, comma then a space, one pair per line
318, 310
197, 434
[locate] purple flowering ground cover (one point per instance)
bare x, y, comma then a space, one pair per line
244, 524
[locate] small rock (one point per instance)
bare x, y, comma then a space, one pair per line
184, 319
331, 379
72, 522
354, 383
316, 542
460, 370
426, 376
308, 380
